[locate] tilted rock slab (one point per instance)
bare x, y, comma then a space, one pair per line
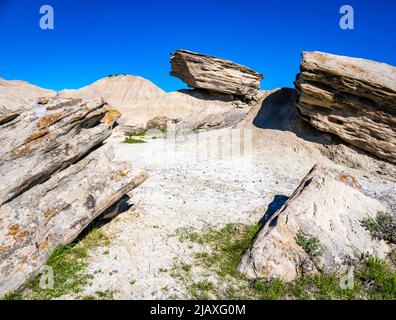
328, 206
214, 74
352, 98
55, 212
48, 138
55, 180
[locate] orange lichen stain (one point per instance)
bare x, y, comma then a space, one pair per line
349, 180
36, 135
42, 245
50, 212
43, 100
122, 174
17, 233
13, 230
320, 57
111, 116
21, 151
2, 249
352, 67
48, 120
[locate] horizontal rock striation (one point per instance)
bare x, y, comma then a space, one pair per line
329, 207
55, 179
352, 98
214, 74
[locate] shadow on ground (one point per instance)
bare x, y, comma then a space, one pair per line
275, 205
279, 112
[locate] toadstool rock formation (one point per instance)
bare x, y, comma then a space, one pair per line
352, 98
215, 74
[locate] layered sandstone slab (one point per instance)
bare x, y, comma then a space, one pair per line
352, 98
214, 74
329, 207
55, 178
48, 138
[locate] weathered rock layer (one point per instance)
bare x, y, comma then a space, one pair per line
55, 179
214, 74
352, 98
328, 207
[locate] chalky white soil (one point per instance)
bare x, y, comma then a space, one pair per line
189, 189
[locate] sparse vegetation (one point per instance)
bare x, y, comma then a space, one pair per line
13, 296
132, 140
116, 75
310, 244
186, 267
382, 227
105, 295
201, 290
69, 264
199, 127
215, 276
139, 134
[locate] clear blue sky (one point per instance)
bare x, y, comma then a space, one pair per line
95, 38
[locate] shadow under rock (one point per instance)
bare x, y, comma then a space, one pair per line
279, 112
275, 205
106, 216
209, 95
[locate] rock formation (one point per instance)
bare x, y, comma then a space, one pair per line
121, 91
214, 74
352, 98
326, 210
55, 179
15, 94
142, 104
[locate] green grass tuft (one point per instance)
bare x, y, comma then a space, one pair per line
132, 140
69, 264
310, 244
382, 227
372, 278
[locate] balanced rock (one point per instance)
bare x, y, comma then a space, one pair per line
215, 74
352, 98
326, 210
55, 179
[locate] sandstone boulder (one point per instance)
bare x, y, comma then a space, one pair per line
352, 98
55, 179
215, 74
326, 209
48, 138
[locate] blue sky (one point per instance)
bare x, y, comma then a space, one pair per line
95, 38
